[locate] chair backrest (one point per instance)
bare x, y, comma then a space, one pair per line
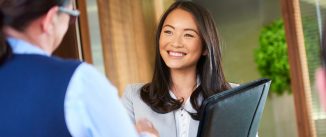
235, 112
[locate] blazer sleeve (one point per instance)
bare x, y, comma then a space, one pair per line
127, 101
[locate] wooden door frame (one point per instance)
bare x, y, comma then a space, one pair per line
300, 83
76, 42
84, 33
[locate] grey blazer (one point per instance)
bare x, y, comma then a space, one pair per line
164, 123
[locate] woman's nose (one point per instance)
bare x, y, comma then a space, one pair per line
177, 42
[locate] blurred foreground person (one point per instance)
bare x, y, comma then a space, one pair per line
45, 96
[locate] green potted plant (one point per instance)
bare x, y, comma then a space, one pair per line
272, 58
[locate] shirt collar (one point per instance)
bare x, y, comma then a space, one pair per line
19, 46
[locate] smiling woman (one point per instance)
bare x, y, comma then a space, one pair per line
187, 69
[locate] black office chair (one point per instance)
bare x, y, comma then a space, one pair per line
235, 112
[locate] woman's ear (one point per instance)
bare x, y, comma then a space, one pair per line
48, 18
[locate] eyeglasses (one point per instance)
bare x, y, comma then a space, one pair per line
72, 13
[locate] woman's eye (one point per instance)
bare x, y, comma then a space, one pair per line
189, 35
167, 32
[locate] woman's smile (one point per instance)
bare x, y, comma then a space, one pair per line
176, 54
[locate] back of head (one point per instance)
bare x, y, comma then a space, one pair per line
17, 14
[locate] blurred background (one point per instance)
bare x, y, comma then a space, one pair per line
117, 36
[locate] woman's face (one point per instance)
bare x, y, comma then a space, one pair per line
180, 41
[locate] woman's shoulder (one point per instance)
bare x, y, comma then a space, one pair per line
134, 88
132, 91
133, 101
136, 85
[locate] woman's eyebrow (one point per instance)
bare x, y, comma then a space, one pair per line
167, 25
189, 29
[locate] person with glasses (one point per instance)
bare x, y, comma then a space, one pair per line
45, 96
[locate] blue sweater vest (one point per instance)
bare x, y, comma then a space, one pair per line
32, 93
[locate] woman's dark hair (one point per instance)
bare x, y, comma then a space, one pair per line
209, 67
17, 14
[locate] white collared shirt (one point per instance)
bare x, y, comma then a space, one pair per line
183, 117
